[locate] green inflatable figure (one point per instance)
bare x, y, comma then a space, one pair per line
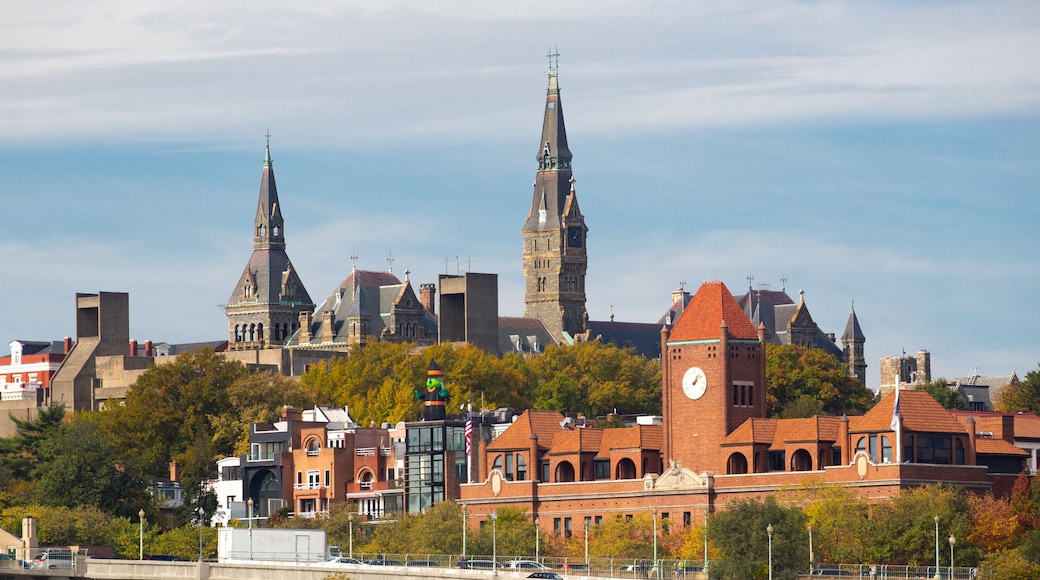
435, 397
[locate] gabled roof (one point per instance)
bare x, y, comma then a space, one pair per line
642, 336
545, 424
754, 430
817, 428
712, 305
920, 412
636, 437
525, 335
577, 441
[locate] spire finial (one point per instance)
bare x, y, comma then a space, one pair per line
783, 282
750, 281
267, 158
554, 60
354, 259
390, 261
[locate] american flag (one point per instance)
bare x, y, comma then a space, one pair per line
469, 432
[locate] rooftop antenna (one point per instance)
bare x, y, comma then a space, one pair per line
783, 282
554, 60
354, 259
750, 281
390, 260
447, 260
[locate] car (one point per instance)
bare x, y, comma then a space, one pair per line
525, 565
832, 572
55, 558
424, 563
483, 565
343, 560
575, 567
545, 575
14, 561
382, 562
164, 558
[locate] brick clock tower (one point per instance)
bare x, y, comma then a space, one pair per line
713, 379
555, 259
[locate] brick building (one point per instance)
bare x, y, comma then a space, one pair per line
715, 444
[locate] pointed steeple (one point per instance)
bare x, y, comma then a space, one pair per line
268, 231
555, 258
852, 329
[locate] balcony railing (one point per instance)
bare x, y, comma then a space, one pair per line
366, 451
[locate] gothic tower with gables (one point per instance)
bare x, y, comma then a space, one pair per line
265, 306
555, 258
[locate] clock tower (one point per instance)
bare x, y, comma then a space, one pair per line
713, 378
555, 258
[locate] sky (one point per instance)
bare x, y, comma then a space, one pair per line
877, 155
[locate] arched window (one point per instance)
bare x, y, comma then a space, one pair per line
625, 469
801, 461
736, 464
498, 463
861, 445
313, 446
564, 472
886, 449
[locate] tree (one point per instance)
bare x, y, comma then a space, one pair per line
595, 379
1008, 565
840, 523
513, 530
1023, 397
79, 465
20, 454
796, 372
996, 526
944, 395
903, 529
740, 533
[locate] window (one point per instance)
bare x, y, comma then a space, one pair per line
313, 479
598, 520
602, 469
776, 461
521, 468
545, 471
328, 478
686, 519
556, 526
567, 528
509, 467
498, 463
934, 449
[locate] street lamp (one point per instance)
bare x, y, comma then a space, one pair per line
250, 504
656, 571
140, 516
350, 546
769, 532
537, 540
952, 542
202, 515
464, 526
936, 519
810, 550
494, 542
705, 540
586, 542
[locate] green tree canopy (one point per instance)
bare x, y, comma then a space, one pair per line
595, 379
740, 534
1023, 397
944, 395
804, 381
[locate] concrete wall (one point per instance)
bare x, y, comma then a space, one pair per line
138, 570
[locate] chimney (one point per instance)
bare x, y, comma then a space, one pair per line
328, 325
427, 295
305, 327
149, 349
133, 347
175, 471
67, 345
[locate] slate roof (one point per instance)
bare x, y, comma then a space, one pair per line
710, 306
552, 183
852, 329
526, 335
644, 337
32, 347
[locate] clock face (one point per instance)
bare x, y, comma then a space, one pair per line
574, 236
694, 382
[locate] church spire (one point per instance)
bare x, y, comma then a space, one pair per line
268, 231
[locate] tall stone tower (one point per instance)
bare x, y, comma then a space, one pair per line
713, 380
265, 306
852, 342
555, 260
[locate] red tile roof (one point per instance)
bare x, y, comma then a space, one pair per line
920, 412
1027, 426
518, 435
712, 305
752, 431
998, 447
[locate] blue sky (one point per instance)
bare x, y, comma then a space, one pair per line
883, 153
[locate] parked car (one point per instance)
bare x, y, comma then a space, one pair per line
423, 563
525, 565
832, 572
343, 560
482, 565
164, 558
545, 575
575, 567
382, 562
15, 562
55, 558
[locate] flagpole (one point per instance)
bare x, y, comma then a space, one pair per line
898, 424
469, 443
